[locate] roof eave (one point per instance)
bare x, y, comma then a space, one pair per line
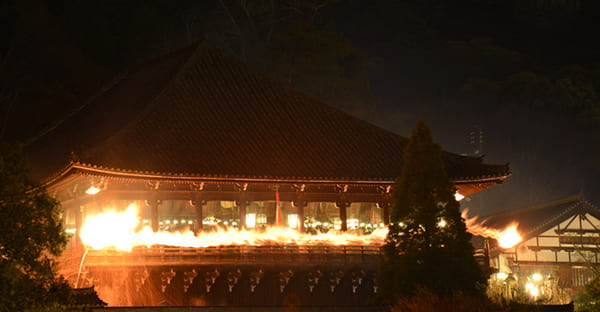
150, 175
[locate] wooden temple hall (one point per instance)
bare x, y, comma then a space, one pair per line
199, 140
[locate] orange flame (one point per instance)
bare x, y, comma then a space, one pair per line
122, 231
507, 238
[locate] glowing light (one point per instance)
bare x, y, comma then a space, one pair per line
92, 190
458, 196
501, 275
250, 220
71, 231
293, 220
442, 223
125, 234
95, 233
529, 286
536, 277
507, 238
125, 229
534, 291
352, 224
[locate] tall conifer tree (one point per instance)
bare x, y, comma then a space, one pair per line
428, 246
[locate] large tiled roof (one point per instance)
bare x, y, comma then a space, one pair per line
201, 111
534, 220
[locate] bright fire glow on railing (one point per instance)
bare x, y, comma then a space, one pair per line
124, 231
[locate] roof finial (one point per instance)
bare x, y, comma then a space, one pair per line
74, 157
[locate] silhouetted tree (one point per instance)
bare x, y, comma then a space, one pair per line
428, 246
31, 234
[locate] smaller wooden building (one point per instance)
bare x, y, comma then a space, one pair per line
561, 242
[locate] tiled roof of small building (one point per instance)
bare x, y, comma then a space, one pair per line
536, 219
201, 111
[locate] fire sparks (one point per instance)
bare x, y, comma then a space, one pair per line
507, 238
123, 231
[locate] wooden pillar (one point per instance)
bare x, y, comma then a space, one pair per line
385, 205
301, 217
78, 223
198, 203
342, 206
300, 204
153, 203
242, 207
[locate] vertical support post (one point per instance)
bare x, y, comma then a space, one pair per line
242, 203
301, 216
198, 203
242, 207
78, 223
385, 207
342, 206
300, 204
385, 202
153, 203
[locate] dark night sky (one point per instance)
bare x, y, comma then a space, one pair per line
525, 72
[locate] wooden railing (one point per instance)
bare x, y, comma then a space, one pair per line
161, 255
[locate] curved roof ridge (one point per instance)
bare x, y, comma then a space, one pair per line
148, 107
116, 79
534, 207
552, 220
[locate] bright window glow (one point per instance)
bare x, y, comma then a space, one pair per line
92, 190
250, 220
293, 221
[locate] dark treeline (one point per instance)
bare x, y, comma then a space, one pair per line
526, 72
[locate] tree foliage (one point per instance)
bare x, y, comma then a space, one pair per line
428, 246
31, 235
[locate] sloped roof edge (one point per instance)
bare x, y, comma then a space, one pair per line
100, 170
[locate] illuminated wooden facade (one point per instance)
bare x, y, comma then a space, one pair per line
561, 241
198, 139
